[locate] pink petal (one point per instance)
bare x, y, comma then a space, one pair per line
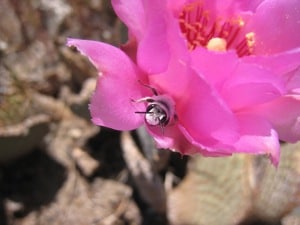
217, 8
251, 85
249, 5
276, 25
171, 137
112, 103
216, 67
293, 81
206, 118
225, 8
236, 6
132, 13
278, 63
176, 6
162, 40
214, 149
154, 49
175, 81
284, 115
285, 65
200, 110
257, 137
130, 48
168, 137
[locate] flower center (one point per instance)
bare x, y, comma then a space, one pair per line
219, 35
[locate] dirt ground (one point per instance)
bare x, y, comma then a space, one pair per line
56, 167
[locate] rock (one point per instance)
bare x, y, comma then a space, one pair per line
85, 162
293, 218
11, 37
103, 202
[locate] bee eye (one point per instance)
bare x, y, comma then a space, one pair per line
157, 114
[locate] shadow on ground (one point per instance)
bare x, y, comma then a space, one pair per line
29, 184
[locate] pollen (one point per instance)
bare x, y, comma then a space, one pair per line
200, 29
250, 37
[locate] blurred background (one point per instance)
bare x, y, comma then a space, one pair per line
56, 167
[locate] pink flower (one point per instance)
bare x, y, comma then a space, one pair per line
214, 77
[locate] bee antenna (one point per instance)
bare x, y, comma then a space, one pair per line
148, 86
143, 112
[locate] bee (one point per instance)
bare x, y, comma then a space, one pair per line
159, 109
157, 112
